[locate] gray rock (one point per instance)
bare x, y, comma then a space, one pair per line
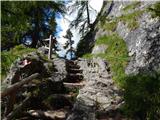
99, 93
143, 43
60, 66
43, 50
99, 49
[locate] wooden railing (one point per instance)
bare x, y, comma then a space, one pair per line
51, 41
13, 89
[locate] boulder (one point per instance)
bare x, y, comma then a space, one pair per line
99, 49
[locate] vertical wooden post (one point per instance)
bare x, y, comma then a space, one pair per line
50, 47
10, 103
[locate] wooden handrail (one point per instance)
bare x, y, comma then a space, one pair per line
16, 86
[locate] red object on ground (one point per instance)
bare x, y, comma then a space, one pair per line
26, 62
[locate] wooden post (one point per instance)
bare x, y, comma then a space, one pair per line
10, 103
50, 47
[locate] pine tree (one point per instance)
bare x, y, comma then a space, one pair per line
82, 17
28, 18
69, 43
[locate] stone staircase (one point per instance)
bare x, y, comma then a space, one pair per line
76, 90
74, 78
74, 72
59, 106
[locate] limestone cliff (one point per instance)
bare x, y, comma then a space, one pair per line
137, 24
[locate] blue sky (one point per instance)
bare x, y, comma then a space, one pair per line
63, 25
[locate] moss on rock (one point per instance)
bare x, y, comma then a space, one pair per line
132, 6
116, 54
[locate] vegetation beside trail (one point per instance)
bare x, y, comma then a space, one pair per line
8, 57
142, 96
116, 54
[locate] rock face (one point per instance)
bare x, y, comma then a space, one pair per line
143, 42
99, 93
142, 39
99, 49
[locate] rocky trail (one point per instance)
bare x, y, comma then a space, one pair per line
62, 103
74, 90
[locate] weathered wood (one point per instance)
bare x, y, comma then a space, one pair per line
50, 47
19, 109
48, 39
46, 47
55, 115
10, 103
14, 87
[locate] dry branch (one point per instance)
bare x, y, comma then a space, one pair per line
16, 86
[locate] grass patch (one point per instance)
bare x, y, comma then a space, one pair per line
87, 56
111, 26
116, 54
132, 6
130, 19
142, 96
8, 57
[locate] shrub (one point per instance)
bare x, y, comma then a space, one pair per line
142, 96
155, 10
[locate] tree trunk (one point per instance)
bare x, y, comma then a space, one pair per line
35, 34
88, 17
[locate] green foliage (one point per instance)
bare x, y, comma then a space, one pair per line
82, 18
69, 44
155, 10
8, 57
87, 56
132, 5
27, 17
142, 96
111, 26
116, 54
131, 19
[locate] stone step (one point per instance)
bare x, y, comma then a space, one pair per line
68, 96
70, 62
74, 85
74, 71
69, 66
74, 77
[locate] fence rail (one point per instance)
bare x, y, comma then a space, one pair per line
51, 41
13, 89
16, 86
